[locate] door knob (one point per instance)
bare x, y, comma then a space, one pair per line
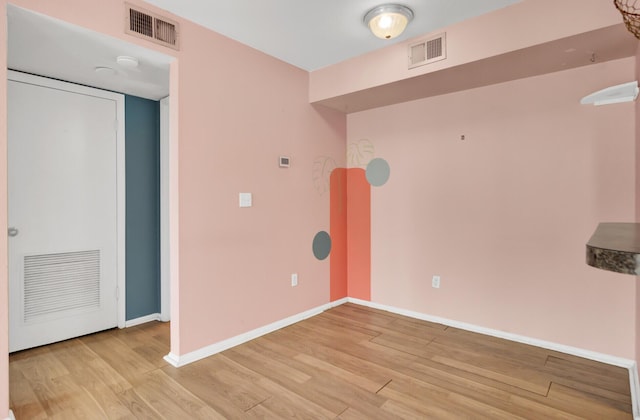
13, 231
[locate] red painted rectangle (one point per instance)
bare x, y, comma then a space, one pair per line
338, 233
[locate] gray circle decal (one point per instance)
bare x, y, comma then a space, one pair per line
378, 172
321, 245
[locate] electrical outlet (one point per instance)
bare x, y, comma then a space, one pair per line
435, 282
294, 279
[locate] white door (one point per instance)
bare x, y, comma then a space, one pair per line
63, 208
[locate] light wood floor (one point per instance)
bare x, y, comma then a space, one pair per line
350, 362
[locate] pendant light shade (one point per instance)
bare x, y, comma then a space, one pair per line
388, 21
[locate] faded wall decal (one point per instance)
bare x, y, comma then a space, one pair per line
360, 153
322, 168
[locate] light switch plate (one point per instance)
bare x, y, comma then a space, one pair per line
246, 200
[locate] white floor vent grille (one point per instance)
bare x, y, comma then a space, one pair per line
427, 51
57, 283
147, 25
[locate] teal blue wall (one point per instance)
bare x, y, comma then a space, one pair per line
142, 154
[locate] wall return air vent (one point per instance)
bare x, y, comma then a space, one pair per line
152, 27
427, 51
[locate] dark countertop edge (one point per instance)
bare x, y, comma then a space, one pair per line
623, 253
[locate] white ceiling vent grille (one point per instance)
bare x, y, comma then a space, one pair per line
55, 284
147, 25
427, 51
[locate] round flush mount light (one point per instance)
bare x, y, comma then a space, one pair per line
126, 61
104, 71
388, 21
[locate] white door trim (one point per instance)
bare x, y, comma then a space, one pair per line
120, 170
121, 212
165, 228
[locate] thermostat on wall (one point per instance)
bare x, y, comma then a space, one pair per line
285, 162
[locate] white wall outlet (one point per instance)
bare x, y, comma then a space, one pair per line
435, 282
294, 279
246, 199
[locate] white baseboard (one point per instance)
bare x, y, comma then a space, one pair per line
635, 391
575, 351
11, 416
173, 360
185, 359
142, 320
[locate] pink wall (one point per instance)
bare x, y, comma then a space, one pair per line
637, 189
518, 26
503, 216
239, 110
637, 133
235, 110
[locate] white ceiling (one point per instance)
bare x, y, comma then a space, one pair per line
312, 34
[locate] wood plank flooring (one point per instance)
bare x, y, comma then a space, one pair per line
349, 362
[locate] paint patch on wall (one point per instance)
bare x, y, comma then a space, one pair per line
321, 245
378, 172
350, 221
338, 231
358, 235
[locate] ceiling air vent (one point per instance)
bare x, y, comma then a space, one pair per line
427, 51
146, 25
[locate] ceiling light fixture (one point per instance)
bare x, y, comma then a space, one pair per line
388, 21
126, 61
104, 71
